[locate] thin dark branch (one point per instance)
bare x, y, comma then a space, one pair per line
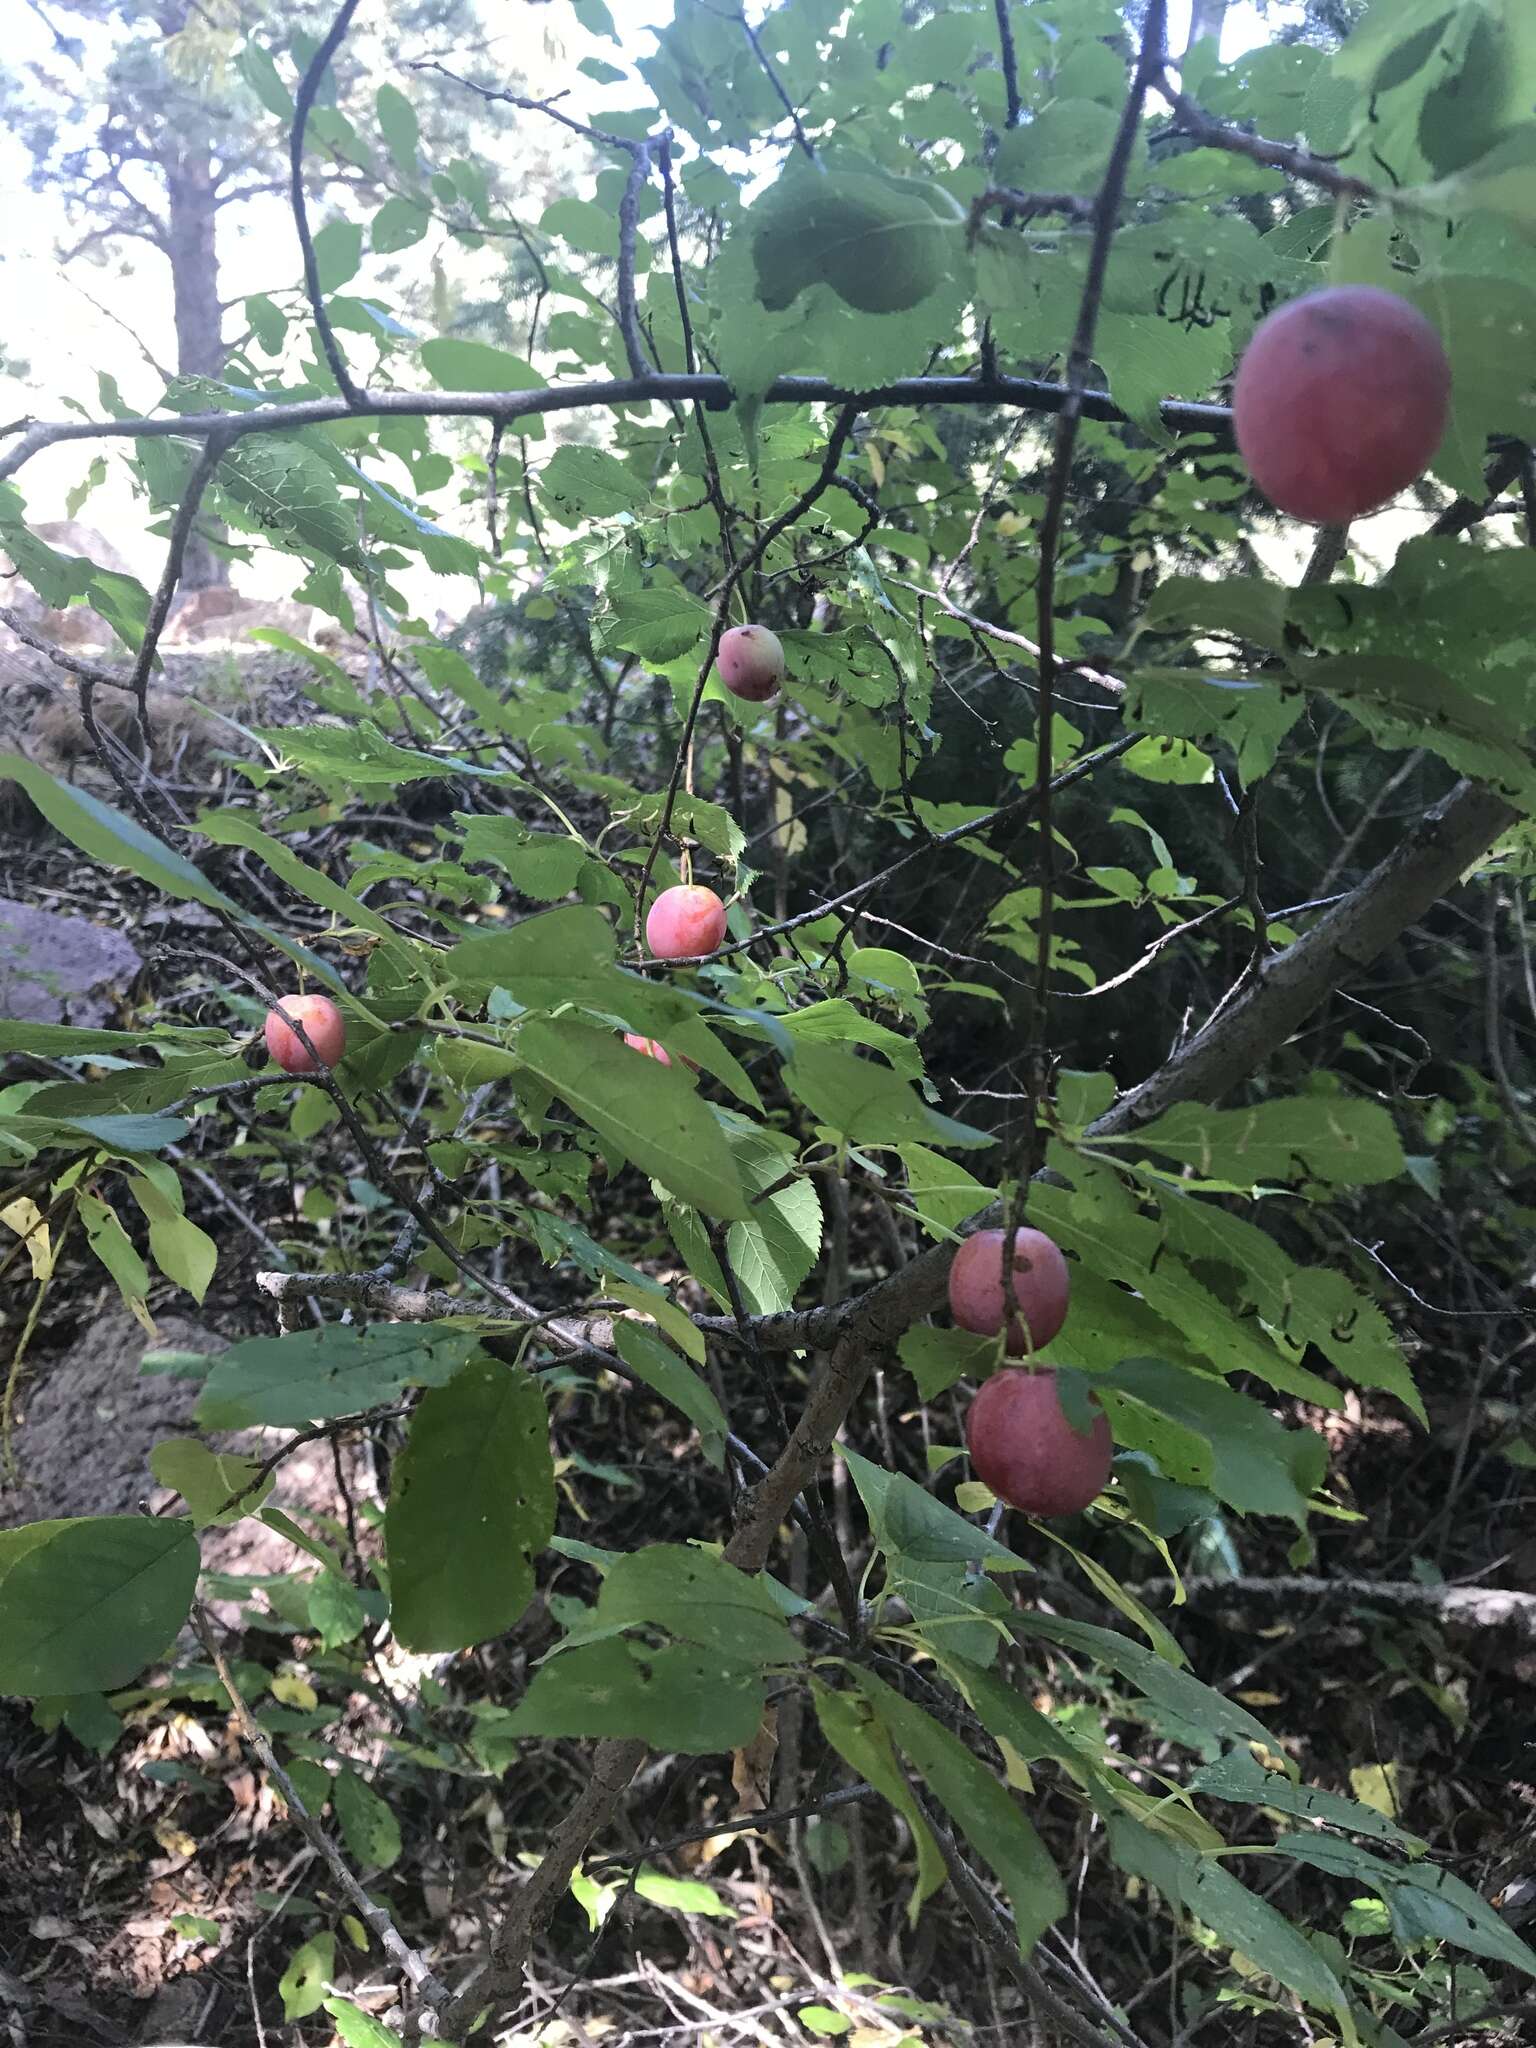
679, 283
160, 610
833, 455
304, 99
629, 216
1027, 205
108, 747
1015, 807
1179, 931
1205, 129
90, 671
997, 1931
1010, 62
166, 376
712, 480
763, 1819
1031, 393
1079, 362
1009, 638
1248, 842
497, 95
873, 514
492, 465
777, 83
413, 1966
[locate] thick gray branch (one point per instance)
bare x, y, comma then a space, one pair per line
1238, 1042
1456, 1606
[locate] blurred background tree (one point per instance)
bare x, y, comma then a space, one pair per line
153, 119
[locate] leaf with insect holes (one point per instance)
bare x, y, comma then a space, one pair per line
368, 1825
286, 1382
302, 1986
1235, 1915
471, 1504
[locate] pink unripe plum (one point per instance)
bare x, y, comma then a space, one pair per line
1024, 1448
1042, 1283
651, 1047
1340, 402
751, 663
685, 922
322, 1021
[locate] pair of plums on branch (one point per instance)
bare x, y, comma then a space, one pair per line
684, 923
1022, 1446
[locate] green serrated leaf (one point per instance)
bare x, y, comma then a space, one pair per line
982, 1811
1328, 1138
662, 1126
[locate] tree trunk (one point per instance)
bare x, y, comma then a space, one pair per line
193, 251
1206, 18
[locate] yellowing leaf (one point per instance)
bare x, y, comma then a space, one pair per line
218, 1488
294, 1691
1266, 1757
26, 1219
184, 1253
1380, 1786
1018, 1772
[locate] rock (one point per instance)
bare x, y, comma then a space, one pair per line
58, 970
90, 1419
77, 625
69, 537
220, 616
181, 734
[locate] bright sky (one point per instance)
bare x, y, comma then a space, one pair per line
52, 324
